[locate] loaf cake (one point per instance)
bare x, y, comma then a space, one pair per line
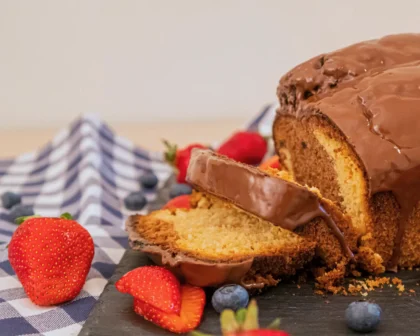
355, 136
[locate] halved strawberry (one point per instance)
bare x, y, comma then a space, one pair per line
154, 285
273, 162
179, 202
193, 300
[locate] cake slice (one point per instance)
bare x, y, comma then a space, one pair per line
216, 243
273, 196
360, 146
328, 72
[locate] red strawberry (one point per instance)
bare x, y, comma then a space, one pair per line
193, 300
273, 162
180, 158
179, 202
155, 285
51, 257
245, 147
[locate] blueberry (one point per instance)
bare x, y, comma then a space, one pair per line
20, 210
148, 180
363, 316
230, 297
135, 201
179, 189
9, 199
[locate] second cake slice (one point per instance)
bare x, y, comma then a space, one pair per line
273, 196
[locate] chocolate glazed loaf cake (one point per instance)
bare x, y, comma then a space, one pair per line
360, 145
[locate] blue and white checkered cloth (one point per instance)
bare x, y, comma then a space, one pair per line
85, 170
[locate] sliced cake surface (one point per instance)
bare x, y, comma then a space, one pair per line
329, 71
275, 198
216, 243
360, 146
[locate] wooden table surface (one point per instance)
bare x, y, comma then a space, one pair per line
18, 141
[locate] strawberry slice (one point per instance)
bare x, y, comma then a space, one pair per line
273, 162
179, 202
193, 300
154, 285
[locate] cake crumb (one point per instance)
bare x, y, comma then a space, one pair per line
298, 286
396, 281
412, 291
356, 273
319, 292
364, 294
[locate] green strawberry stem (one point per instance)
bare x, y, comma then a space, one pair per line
170, 153
275, 324
241, 315
66, 215
251, 319
20, 220
245, 319
198, 333
228, 321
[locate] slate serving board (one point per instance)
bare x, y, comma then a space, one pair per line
302, 312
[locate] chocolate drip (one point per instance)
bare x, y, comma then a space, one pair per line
333, 227
283, 203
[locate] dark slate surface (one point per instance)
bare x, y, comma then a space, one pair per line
302, 312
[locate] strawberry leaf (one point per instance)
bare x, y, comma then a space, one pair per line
240, 316
251, 320
66, 215
198, 333
170, 153
275, 325
228, 321
20, 220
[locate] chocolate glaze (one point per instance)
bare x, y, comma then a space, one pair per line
278, 201
195, 272
380, 116
328, 71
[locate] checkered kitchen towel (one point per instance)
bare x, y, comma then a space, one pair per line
85, 170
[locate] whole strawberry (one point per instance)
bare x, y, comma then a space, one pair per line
51, 258
180, 158
245, 147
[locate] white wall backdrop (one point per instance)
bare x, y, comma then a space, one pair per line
134, 60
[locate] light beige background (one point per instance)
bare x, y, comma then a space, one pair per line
168, 60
